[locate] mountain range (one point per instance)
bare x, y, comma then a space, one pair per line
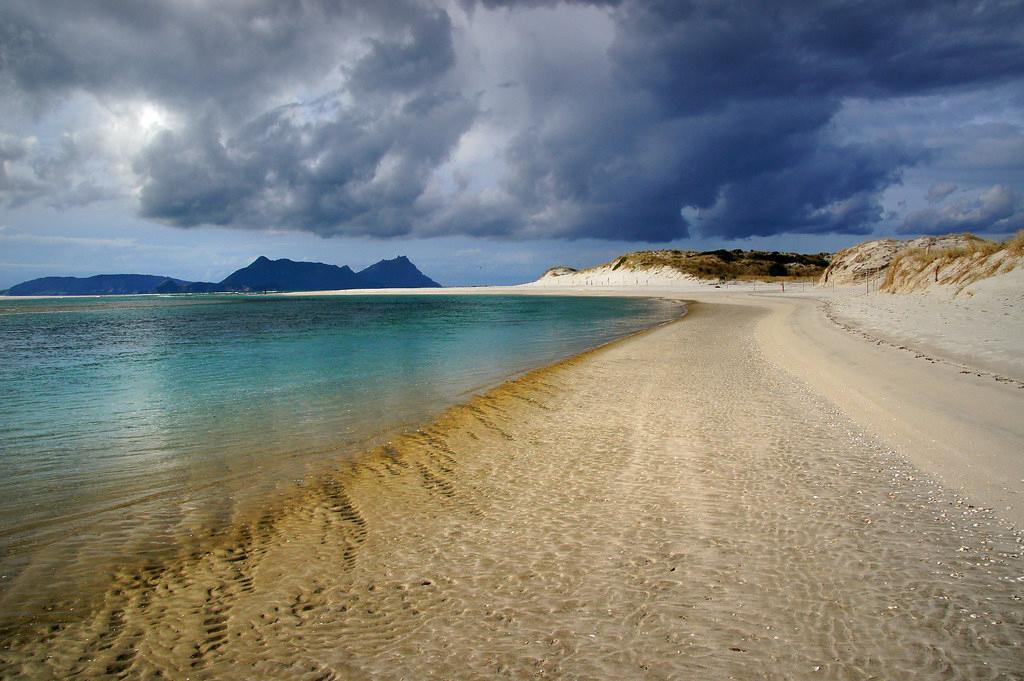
263, 274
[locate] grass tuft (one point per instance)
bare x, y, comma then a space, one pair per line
1015, 244
958, 265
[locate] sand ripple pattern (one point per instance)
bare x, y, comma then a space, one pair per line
671, 507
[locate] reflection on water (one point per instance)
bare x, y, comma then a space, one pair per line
143, 424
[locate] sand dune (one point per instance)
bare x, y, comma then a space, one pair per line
678, 505
608, 275
871, 259
979, 326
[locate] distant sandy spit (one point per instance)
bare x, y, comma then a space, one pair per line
523, 289
687, 503
48, 297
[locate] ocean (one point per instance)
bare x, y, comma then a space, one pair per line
131, 427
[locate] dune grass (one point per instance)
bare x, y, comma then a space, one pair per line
961, 265
925, 256
1015, 244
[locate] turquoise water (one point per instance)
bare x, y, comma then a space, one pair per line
128, 423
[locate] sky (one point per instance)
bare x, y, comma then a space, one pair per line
489, 140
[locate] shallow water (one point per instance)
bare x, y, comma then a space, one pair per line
668, 508
133, 426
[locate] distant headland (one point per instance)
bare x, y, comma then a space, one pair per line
263, 274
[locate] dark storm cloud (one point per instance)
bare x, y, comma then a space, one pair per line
519, 4
752, 169
825, 188
938, 192
698, 54
27, 175
16, 189
353, 174
998, 209
400, 65
703, 117
745, 99
315, 165
229, 54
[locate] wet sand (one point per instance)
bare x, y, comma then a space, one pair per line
674, 506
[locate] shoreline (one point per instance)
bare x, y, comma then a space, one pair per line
498, 516
244, 520
207, 538
687, 294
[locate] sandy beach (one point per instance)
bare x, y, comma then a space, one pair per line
466, 340
981, 327
720, 497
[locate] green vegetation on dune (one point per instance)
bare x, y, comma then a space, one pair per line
722, 264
